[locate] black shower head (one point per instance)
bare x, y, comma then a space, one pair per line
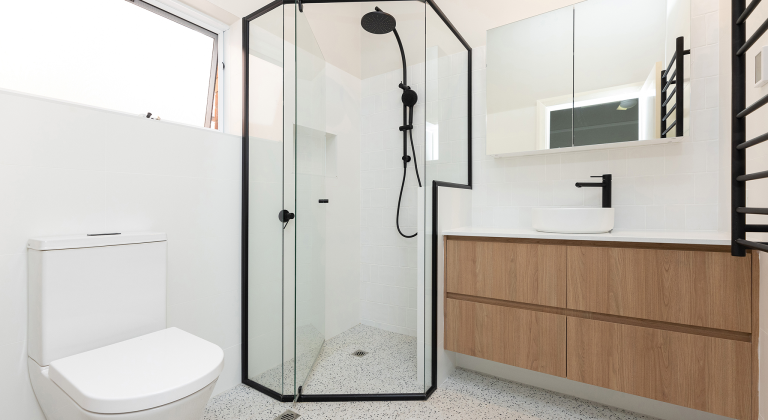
378, 22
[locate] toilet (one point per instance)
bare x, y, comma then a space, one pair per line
98, 346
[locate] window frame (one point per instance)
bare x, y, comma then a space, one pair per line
175, 16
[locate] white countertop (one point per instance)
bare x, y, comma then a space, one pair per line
649, 236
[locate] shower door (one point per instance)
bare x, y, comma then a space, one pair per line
309, 159
285, 144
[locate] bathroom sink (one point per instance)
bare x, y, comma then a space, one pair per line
573, 220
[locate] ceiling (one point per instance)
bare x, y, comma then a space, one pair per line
333, 23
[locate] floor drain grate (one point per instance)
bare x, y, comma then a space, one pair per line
359, 353
288, 415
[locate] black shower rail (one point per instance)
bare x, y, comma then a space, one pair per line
667, 81
739, 144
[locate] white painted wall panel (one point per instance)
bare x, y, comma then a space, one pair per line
67, 169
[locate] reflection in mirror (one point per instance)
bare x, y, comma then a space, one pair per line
609, 75
529, 70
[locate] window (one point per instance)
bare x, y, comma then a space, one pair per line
111, 54
597, 121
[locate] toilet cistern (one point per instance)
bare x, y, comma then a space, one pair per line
98, 341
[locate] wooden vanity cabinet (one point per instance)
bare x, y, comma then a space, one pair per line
706, 289
705, 373
520, 272
673, 322
517, 337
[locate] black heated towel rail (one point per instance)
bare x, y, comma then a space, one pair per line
739, 143
667, 80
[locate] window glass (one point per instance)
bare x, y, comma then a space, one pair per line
598, 123
110, 54
611, 122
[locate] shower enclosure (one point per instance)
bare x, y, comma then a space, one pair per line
354, 113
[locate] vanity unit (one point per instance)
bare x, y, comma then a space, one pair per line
668, 317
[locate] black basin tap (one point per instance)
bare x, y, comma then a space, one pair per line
605, 185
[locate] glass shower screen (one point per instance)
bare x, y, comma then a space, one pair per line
340, 298
310, 159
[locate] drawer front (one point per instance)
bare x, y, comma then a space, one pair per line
527, 273
517, 337
706, 289
704, 373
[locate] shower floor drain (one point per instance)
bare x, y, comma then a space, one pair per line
359, 353
288, 415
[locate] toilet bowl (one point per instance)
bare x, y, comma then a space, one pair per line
98, 344
131, 380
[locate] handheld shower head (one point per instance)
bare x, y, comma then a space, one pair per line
378, 22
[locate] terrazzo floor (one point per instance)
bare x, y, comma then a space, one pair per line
465, 395
308, 340
389, 366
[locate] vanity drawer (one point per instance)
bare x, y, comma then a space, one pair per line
704, 373
520, 272
706, 289
517, 337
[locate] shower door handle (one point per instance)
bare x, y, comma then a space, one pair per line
285, 216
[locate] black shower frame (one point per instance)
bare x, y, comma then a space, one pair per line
435, 211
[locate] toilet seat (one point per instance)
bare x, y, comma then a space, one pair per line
139, 374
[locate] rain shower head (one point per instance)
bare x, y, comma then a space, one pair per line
378, 22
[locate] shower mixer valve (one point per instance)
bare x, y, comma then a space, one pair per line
409, 97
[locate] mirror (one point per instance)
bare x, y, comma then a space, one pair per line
595, 73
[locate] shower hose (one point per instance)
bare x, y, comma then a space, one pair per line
408, 131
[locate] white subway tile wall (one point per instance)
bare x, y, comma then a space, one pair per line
388, 268
387, 260
657, 187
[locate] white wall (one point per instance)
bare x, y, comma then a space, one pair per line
67, 169
656, 187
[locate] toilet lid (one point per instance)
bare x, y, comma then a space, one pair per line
140, 373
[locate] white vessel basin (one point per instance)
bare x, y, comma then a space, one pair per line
573, 220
